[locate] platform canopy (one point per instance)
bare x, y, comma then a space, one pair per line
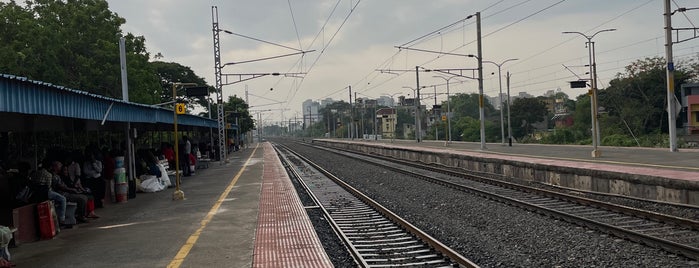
22, 99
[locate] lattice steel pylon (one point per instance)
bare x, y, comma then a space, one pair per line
219, 86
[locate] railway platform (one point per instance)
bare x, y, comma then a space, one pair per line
243, 213
648, 173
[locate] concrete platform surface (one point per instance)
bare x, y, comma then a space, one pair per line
662, 158
213, 227
647, 173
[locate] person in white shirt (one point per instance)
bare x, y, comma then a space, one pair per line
92, 171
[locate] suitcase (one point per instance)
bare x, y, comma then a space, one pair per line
47, 226
24, 218
90, 206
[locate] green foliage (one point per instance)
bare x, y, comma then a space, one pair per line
618, 140
526, 112
405, 116
73, 44
566, 136
170, 72
466, 105
638, 98
465, 125
469, 129
236, 107
582, 119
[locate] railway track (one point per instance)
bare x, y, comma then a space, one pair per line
375, 236
674, 234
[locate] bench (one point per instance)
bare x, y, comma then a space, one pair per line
203, 163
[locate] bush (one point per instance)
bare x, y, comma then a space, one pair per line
619, 140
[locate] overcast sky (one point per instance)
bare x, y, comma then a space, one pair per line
351, 53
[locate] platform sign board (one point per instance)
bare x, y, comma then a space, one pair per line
197, 91
180, 108
578, 84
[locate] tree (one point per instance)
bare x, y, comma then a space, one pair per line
403, 117
170, 72
236, 107
526, 112
638, 98
467, 105
73, 43
341, 114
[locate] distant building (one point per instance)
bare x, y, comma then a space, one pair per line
562, 117
690, 108
403, 101
388, 120
326, 102
386, 101
310, 111
524, 95
495, 101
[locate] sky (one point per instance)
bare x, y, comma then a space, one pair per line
354, 43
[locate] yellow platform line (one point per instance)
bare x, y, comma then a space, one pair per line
192, 240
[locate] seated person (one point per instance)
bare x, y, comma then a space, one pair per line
74, 183
70, 194
169, 154
5, 238
42, 180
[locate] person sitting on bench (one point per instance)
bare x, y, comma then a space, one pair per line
42, 178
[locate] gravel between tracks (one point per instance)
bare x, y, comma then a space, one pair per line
489, 233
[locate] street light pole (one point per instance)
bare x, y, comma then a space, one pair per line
502, 119
415, 109
418, 128
211, 132
481, 109
178, 194
509, 123
593, 79
349, 129
670, 74
448, 108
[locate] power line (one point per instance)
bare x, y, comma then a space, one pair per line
294, 21
327, 45
464, 26
572, 38
529, 16
684, 14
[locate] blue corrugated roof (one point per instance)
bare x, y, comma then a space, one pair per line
22, 95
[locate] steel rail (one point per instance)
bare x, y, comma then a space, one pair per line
432, 242
353, 250
671, 246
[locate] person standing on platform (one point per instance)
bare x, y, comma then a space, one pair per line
92, 169
184, 157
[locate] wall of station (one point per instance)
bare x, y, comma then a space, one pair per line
633, 185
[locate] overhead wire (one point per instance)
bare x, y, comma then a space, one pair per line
685, 15
423, 39
536, 55
417, 39
291, 10
442, 32
299, 63
500, 29
325, 46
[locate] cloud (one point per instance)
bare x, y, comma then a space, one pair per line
181, 30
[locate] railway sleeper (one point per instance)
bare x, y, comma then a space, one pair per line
390, 240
